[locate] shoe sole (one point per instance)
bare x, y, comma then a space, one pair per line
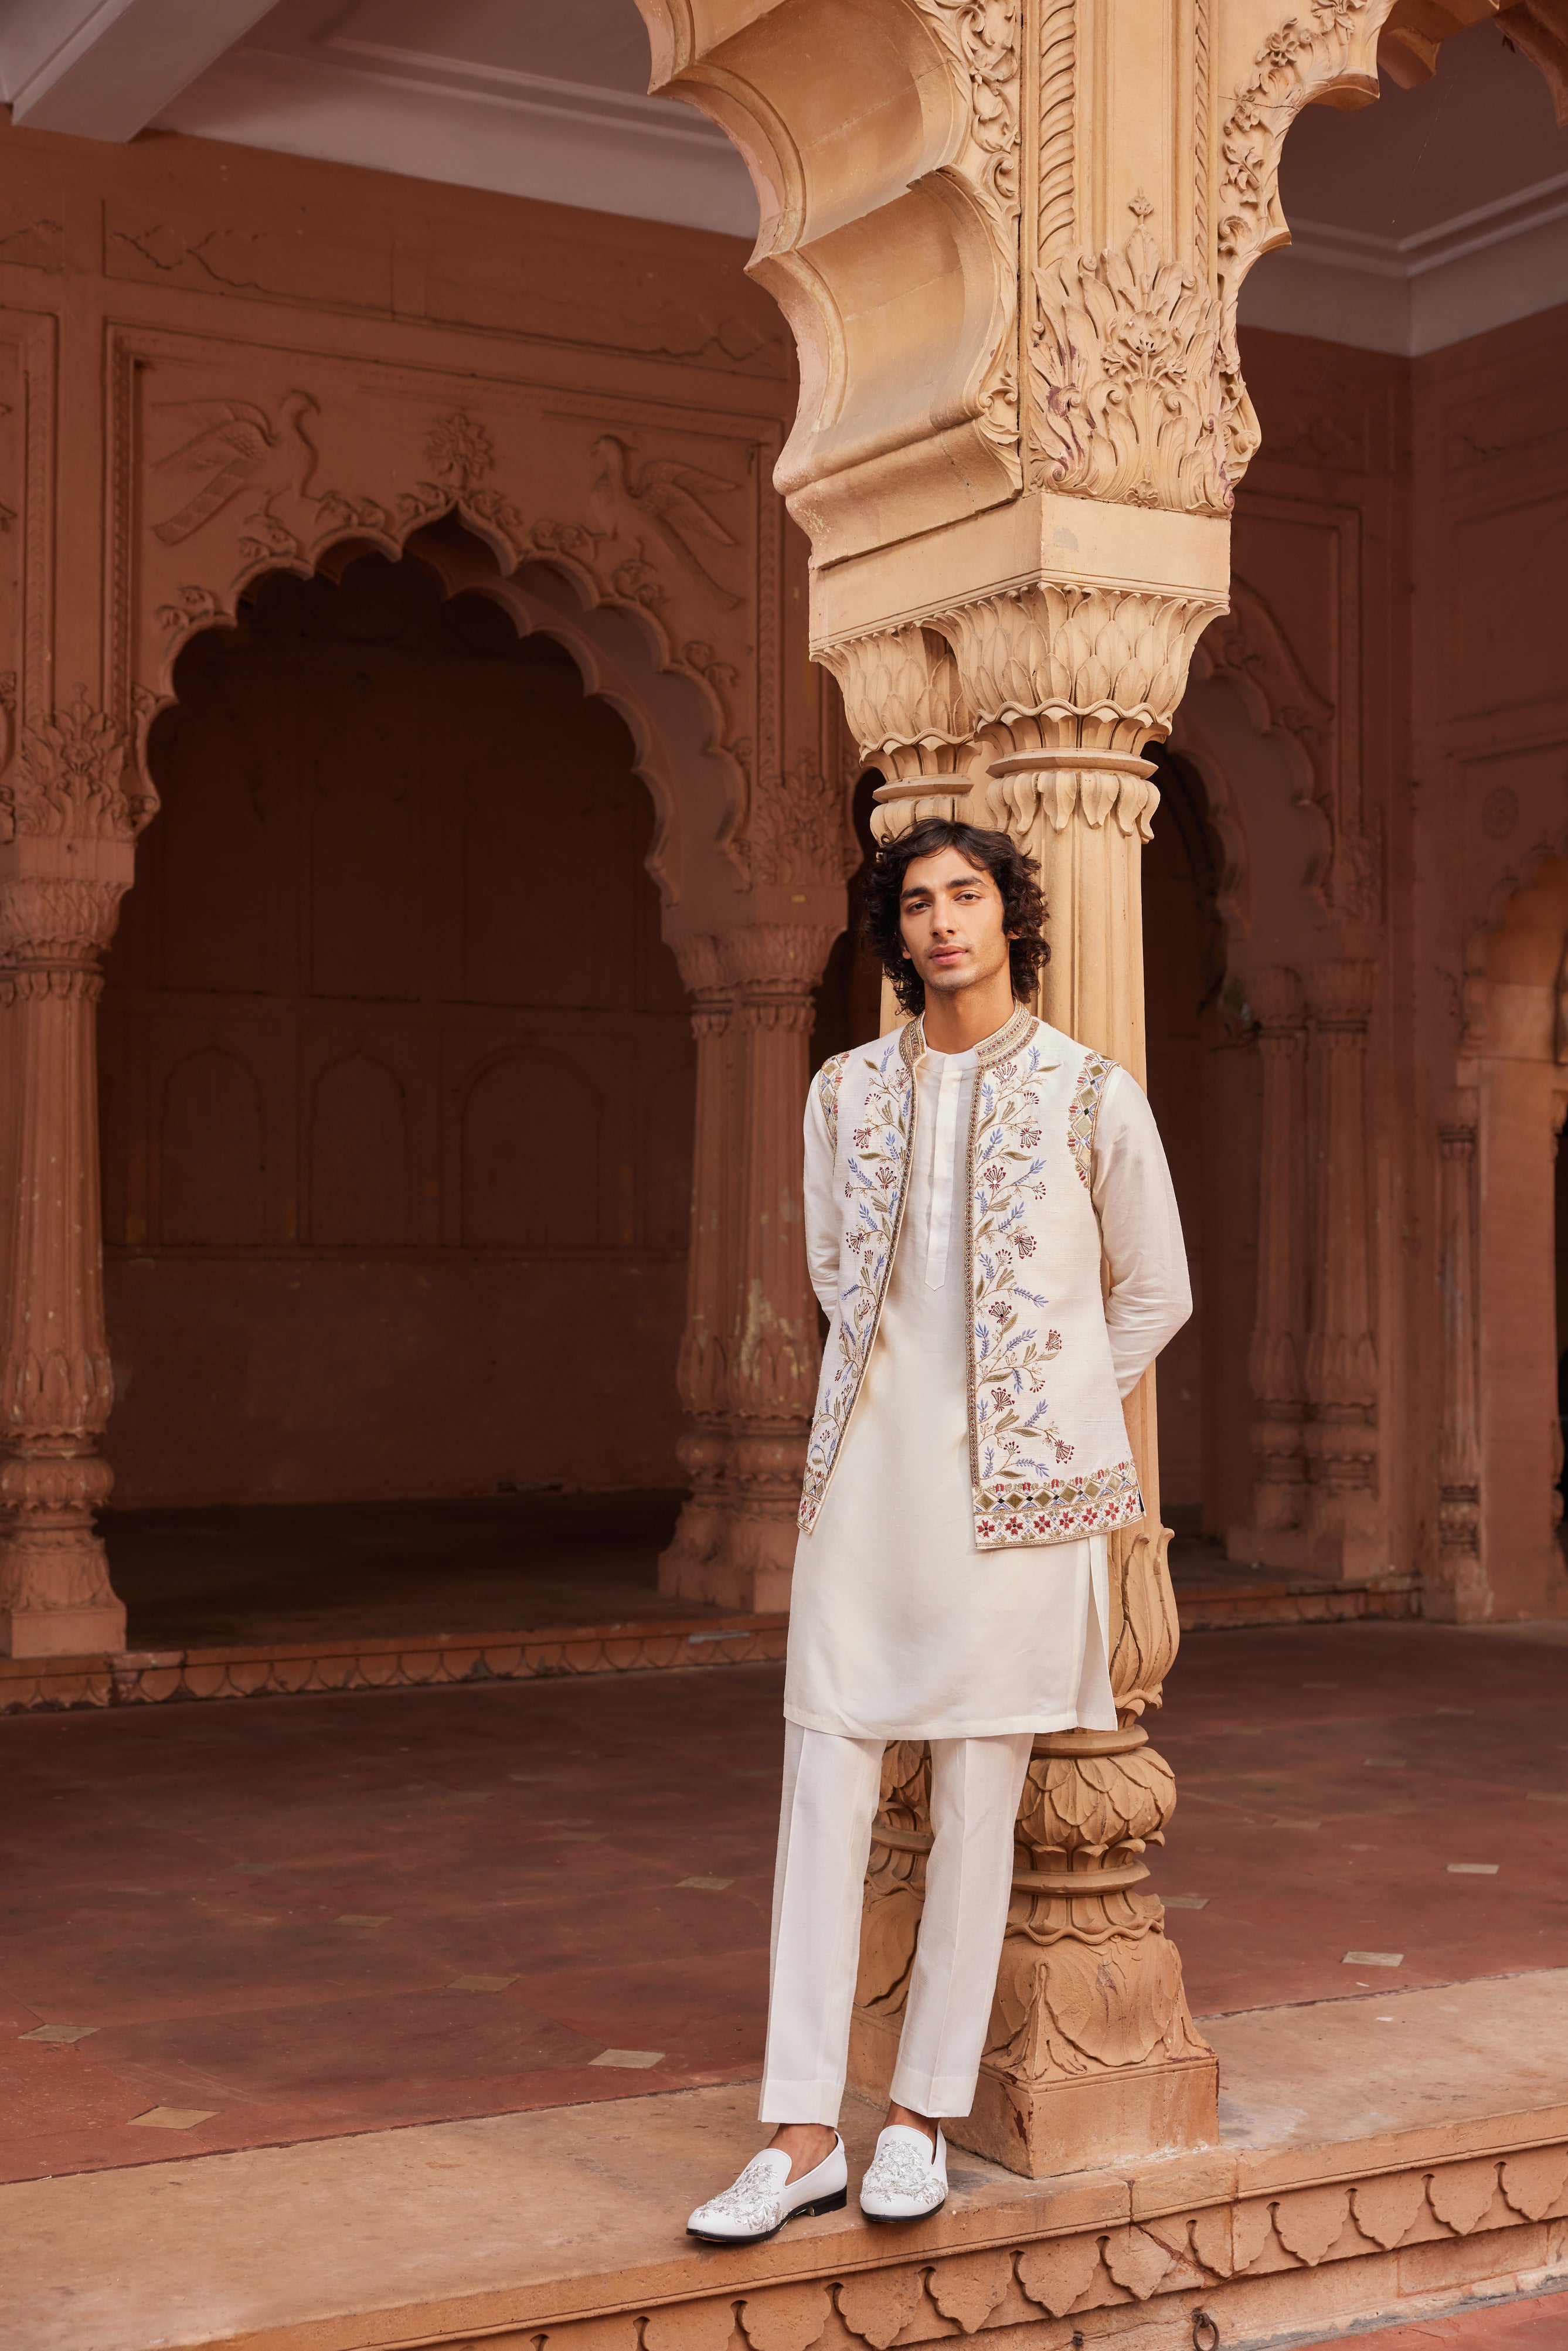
896, 2220
802, 2213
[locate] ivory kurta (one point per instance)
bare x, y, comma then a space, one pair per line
901, 1626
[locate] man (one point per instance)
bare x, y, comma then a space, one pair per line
965, 1178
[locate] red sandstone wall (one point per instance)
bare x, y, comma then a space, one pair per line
396, 1146
1491, 890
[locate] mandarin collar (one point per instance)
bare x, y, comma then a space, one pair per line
995, 1047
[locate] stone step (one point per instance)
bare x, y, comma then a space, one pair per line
1383, 2160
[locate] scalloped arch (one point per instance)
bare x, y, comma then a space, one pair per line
616, 640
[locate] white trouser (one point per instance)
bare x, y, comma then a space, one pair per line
831, 1790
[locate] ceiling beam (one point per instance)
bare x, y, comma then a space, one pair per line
103, 68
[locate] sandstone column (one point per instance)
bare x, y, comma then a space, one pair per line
1092, 2047
701, 1373
1274, 1360
772, 1347
63, 872
1342, 1356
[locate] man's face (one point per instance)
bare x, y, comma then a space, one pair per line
950, 913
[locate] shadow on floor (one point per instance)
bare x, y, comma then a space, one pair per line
299, 1571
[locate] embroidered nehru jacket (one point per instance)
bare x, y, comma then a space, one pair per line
1049, 1457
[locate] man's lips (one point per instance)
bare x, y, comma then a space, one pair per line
947, 954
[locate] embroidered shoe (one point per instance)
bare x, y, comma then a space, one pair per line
765, 2196
906, 2181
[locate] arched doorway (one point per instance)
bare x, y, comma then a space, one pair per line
1500, 1470
1201, 1088
397, 1072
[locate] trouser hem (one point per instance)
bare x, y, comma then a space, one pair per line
800, 2101
942, 2097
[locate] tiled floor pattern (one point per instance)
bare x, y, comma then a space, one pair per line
1539, 2325
253, 1922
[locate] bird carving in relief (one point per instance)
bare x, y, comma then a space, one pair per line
239, 448
663, 491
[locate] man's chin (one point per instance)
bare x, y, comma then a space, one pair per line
950, 981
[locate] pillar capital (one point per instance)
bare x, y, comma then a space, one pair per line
775, 964
68, 823
1339, 993
1278, 1002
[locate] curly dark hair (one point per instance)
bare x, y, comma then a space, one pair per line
1014, 875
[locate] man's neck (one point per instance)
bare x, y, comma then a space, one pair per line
955, 1023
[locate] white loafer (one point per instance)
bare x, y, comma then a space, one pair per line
906, 2181
765, 2196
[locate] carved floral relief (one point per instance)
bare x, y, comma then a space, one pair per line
659, 516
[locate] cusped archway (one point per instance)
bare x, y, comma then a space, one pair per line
398, 1070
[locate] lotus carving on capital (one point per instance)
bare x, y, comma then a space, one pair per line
1117, 658
1090, 1803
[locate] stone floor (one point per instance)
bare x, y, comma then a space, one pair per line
243, 1925
1536, 2326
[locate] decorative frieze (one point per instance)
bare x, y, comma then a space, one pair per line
1189, 2269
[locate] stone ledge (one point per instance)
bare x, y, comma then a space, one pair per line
154, 1676
278, 1669
1358, 2182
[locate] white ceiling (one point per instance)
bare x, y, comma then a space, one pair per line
536, 97
1434, 215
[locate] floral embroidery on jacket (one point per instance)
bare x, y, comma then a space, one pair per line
1084, 1115
1009, 1412
1027, 1487
827, 1078
1063, 1507
877, 1172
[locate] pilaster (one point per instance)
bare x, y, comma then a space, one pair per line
63, 870
1456, 1593
1274, 1365
703, 1368
1340, 1367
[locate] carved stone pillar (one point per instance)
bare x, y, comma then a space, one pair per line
1341, 1435
701, 1373
1456, 1593
63, 870
1092, 2054
772, 1348
1274, 1360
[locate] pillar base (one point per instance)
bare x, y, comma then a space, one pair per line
747, 1565
1309, 1551
1120, 2114
61, 1632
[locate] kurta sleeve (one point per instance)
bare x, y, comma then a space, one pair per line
822, 1209
1150, 1296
